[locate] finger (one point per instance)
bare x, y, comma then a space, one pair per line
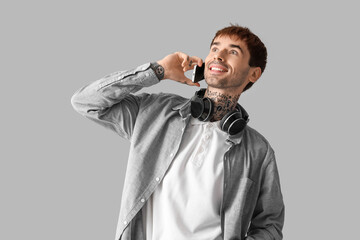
193, 84
190, 83
196, 60
184, 58
184, 63
188, 62
187, 67
192, 63
196, 84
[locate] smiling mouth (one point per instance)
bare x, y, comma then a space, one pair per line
217, 67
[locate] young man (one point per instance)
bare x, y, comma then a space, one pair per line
195, 170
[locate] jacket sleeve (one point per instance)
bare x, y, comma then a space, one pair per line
109, 102
268, 217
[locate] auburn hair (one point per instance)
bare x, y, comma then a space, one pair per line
257, 49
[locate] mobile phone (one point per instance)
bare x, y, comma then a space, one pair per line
198, 73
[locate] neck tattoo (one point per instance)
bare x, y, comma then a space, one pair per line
222, 103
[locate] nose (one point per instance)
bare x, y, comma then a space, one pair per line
219, 56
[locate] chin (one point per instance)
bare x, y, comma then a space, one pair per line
215, 82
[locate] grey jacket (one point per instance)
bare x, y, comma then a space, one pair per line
154, 123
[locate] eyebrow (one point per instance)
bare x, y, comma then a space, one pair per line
231, 45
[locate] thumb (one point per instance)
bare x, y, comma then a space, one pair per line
190, 82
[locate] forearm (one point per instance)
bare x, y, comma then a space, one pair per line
112, 89
109, 102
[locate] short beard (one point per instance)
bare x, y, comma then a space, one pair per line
224, 83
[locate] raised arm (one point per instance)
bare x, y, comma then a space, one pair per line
109, 101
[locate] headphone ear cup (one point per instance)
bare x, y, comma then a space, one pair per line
233, 122
197, 107
237, 126
225, 122
203, 109
207, 111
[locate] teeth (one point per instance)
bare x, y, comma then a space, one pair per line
217, 69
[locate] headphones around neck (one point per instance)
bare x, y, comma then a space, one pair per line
203, 108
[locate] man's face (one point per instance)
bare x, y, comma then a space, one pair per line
227, 65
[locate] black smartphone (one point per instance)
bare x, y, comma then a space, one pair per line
198, 73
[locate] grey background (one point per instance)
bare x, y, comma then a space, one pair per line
61, 175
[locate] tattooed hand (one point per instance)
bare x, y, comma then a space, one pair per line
223, 103
176, 64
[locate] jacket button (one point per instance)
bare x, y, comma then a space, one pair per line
157, 179
142, 200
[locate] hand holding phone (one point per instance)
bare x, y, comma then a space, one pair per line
198, 73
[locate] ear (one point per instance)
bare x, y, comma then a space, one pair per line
255, 74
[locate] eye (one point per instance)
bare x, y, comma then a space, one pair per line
233, 52
214, 49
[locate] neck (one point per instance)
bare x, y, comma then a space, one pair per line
223, 103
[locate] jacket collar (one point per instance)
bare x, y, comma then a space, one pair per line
184, 109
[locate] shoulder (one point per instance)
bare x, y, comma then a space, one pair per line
257, 144
160, 100
251, 134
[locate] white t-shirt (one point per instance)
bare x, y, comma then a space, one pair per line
187, 203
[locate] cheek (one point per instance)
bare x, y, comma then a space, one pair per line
238, 66
207, 59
